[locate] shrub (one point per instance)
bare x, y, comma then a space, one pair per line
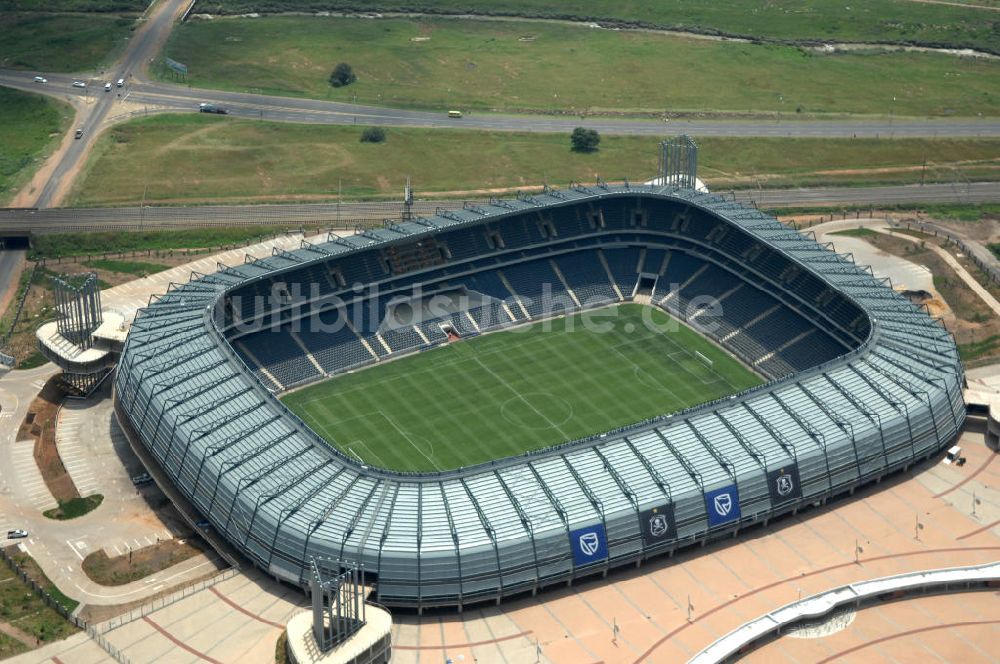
343, 74
373, 135
584, 140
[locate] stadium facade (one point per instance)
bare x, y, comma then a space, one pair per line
860, 383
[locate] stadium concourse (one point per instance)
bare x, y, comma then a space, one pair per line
726, 583
860, 383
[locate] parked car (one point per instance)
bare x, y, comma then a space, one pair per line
17, 534
79, 84
79, 133
107, 87
140, 480
121, 82
212, 108
41, 79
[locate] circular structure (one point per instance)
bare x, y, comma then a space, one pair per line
859, 383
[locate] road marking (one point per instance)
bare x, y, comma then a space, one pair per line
70, 545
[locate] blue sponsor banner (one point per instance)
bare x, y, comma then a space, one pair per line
723, 505
590, 545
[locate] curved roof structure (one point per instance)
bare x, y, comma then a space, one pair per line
890, 395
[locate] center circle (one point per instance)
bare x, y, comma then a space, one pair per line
536, 410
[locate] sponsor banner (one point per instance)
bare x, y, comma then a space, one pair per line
783, 484
658, 524
589, 545
723, 505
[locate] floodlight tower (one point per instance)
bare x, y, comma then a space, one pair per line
679, 162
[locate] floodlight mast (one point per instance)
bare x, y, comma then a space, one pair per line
407, 201
679, 162
338, 603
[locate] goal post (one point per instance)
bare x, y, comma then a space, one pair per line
704, 360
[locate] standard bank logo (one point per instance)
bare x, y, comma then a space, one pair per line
722, 505
589, 544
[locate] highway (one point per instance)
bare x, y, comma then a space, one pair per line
166, 96
93, 103
96, 109
350, 214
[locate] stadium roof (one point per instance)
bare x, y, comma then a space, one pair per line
280, 493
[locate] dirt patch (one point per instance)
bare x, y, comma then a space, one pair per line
964, 314
40, 425
135, 565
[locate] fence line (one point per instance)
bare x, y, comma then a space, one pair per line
972, 252
20, 306
97, 631
160, 602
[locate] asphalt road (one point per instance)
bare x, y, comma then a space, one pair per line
289, 109
96, 103
347, 215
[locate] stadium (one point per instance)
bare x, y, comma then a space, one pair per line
429, 429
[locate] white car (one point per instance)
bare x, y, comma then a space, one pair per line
107, 87
17, 534
79, 84
41, 79
121, 82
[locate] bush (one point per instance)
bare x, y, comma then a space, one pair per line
75, 507
585, 140
343, 74
373, 135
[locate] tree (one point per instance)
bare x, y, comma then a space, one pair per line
343, 74
584, 140
373, 135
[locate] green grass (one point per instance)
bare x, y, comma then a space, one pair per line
223, 160
77, 507
825, 20
508, 392
58, 245
10, 646
21, 607
484, 65
856, 232
138, 268
34, 361
32, 127
47, 42
977, 349
971, 212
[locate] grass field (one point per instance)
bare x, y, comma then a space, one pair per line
872, 20
509, 392
516, 66
221, 160
22, 608
32, 126
61, 42
56, 245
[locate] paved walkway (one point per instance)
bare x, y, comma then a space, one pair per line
728, 583
919, 520
881, 226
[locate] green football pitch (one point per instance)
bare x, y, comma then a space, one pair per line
508, 392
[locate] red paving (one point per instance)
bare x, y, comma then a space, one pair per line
177, 642
736, 580
244, 611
